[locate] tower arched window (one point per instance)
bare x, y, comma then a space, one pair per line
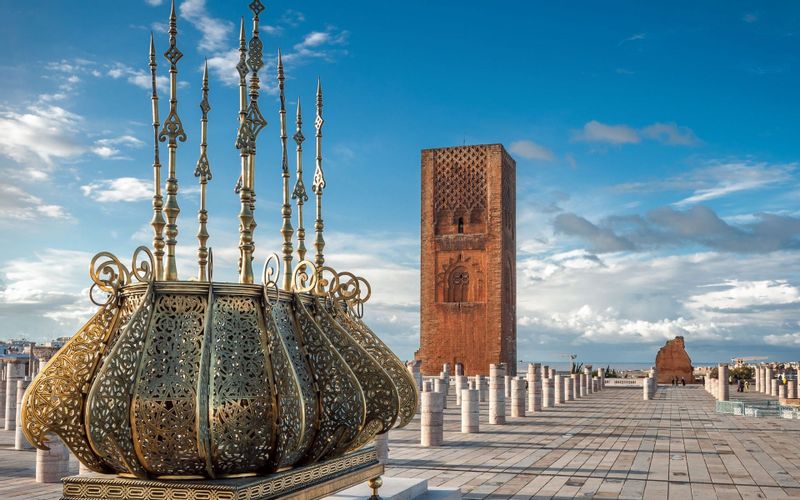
461, 225
458, 285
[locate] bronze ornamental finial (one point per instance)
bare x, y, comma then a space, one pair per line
203, 171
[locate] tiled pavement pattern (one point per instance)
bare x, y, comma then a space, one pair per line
612, 444
609, 445
18, 471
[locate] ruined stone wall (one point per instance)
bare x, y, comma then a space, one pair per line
672, 361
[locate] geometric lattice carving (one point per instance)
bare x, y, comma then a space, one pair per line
460, 180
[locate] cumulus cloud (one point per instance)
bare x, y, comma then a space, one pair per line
138, 77
736, 296
215, 32
601, 239
327, 45
126, 189
43, 132
17, 205
665, 133
530, 150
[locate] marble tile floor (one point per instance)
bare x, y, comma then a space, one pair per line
611, 444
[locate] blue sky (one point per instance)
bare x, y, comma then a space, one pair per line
655, 146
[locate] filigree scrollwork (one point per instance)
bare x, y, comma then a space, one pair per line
143, 271
304, 277
270, 277
109, 275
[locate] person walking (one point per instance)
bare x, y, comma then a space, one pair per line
683, 381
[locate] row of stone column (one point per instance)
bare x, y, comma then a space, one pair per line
544, 387
767, 382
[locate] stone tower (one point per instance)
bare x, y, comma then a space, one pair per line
468, 267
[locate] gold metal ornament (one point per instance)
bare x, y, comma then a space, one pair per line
203, 380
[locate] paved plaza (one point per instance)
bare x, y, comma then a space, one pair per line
611, 444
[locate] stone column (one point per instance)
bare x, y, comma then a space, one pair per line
548, 393
558, 400
432, 419
576, 385
724, 389
534, 388
52, 464
413, 368
459, 369
781, 391
582, 381
483, 387
14, 372
517, 397
507, 386
20, 443
461, 383
570, 384
768, 380
601, 374
759, 386
470, 410
3, 391
381, 447
587, 370
497, 394
791, 390
646, 389
446, 370
440, 386
772, 392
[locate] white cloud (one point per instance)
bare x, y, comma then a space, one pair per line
670, 133
42, 132
595, 131
215, 32
17, 204
319, 45
633, 38
787, 340
666, 133
121, 189
138, 77
154, 3
530, 150
223, 65
733, 177
744, 296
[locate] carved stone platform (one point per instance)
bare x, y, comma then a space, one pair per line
312, 481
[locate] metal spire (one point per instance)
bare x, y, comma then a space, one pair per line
286, 209
172, 132
158, 221
252, 124
319, 182
299, 192
203, 171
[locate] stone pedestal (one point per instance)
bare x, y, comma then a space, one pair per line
781, 391
559, 390
601, 375
483, 387
52, 464
517, 397
2, 392
414, 369
582, 381
724, 388
757, 377
20, 443
576, 385
548, 393
768, 381
440, 386
470, 411
381, 447
587, 371
432, 419
774, 389
507, 386
461, 384
570, 386
14, 372
791, 389
534, 388
646, 389
497, 394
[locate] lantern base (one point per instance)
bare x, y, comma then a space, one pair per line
312, 481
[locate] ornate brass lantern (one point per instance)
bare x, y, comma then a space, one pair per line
177, 379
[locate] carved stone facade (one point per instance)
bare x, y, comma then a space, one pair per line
673, 361
468, 267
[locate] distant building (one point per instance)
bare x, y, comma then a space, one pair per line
468, 259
